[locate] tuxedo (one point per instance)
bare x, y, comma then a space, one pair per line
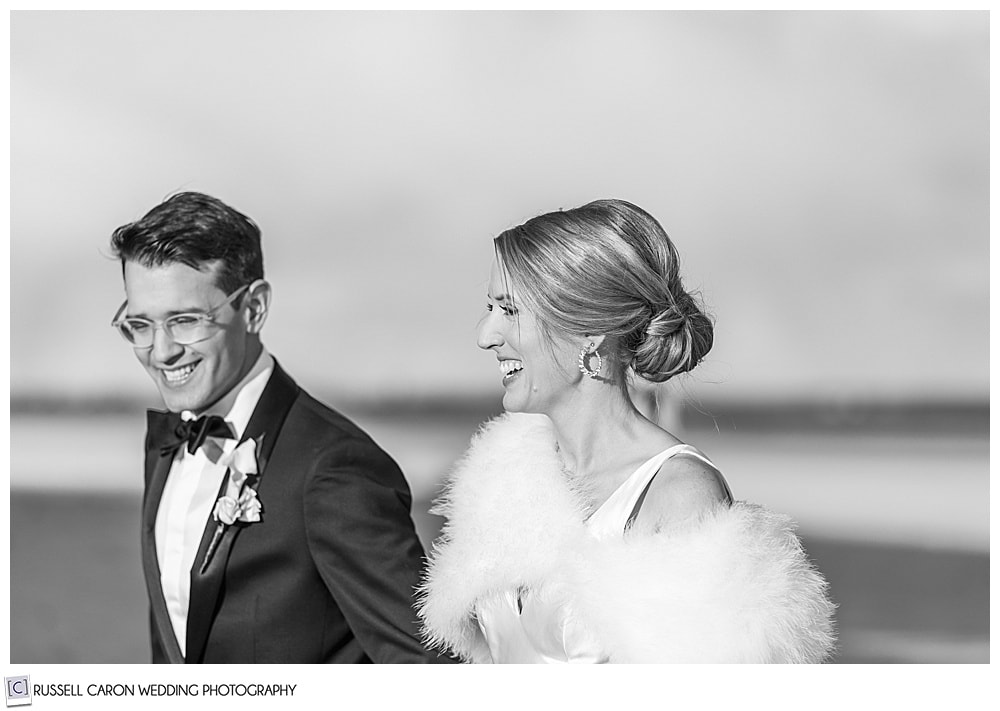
328, 572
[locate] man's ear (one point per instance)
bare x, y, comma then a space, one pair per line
257, 304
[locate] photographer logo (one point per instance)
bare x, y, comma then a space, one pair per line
18, 690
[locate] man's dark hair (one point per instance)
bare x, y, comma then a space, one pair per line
194, 229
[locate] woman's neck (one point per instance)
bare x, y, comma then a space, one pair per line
597, 430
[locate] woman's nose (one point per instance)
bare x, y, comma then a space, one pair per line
488, 336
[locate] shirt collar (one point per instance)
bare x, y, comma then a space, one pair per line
239, 403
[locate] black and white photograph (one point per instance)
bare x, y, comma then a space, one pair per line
498, 337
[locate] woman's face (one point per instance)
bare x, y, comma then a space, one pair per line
536, 373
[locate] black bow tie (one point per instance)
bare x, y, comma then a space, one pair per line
169, 431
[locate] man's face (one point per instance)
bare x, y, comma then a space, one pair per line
190, 377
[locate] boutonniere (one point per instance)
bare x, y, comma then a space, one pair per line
240, 502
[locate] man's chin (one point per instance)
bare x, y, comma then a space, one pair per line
176, 401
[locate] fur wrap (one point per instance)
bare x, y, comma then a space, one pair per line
736, 586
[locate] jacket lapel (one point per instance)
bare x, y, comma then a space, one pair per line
206, 575
157, 468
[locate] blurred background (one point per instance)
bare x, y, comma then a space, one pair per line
824, 176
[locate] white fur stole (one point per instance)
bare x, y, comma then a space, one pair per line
734, 587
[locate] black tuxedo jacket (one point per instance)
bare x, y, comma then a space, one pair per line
327, 574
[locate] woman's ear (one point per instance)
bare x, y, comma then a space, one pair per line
598, 341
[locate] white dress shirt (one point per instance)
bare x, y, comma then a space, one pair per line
192, 489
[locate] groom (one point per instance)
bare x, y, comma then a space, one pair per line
273, 528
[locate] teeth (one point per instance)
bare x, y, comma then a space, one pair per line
507, 367
178, 374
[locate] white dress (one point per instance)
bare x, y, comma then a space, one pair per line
526, 627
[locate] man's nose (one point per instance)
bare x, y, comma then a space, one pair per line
164, 348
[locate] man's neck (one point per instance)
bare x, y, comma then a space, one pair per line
224, 405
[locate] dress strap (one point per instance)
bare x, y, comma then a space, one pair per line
673, 451
645, 475
638, 503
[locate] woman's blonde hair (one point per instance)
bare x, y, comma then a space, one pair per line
608, 268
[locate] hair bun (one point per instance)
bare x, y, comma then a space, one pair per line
666, 322
675, 340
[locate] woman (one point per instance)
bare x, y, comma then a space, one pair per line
578, 530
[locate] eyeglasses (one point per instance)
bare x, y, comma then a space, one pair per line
183, 329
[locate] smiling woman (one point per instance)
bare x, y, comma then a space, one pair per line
529, 361
562, 265
578, 530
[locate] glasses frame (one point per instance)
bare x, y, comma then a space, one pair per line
206, 316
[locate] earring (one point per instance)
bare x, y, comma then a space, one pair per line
585, 353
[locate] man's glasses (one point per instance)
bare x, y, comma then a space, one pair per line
183, 329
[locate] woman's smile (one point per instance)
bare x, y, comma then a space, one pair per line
509, 370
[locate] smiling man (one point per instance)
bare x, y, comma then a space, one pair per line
273, 528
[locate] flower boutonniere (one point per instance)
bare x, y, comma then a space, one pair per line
240, 502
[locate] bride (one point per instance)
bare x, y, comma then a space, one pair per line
578, 530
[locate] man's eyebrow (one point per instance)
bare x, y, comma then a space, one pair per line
172, 312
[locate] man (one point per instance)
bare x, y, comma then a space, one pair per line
273, 528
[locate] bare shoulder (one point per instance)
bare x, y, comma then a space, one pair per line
684, 488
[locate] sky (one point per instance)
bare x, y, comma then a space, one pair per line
824, 176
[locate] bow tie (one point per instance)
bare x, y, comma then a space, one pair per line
170, 431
